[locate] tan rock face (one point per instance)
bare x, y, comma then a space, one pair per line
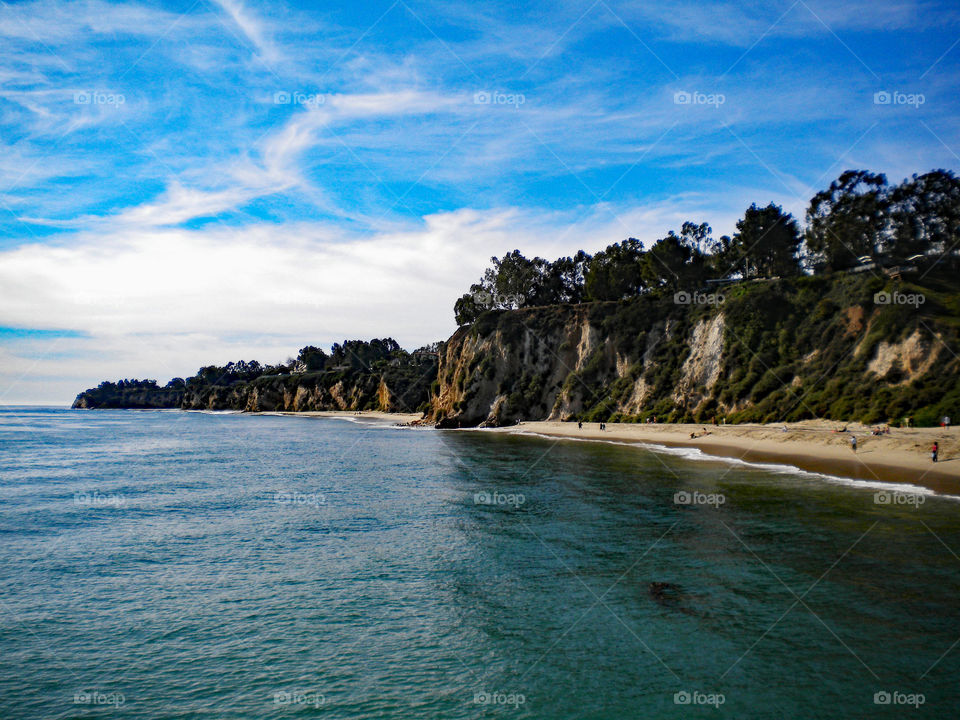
702, 367
913, 354
552, 370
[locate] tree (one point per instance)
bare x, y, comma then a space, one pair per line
615, 273
924, 215
360, 354
468, 307
310, 359
665, 265
847, 221
565, 279
767, 243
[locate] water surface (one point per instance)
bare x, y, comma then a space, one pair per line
158, 564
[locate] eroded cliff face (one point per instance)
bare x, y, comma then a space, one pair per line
771, 351
559, 363
394, 390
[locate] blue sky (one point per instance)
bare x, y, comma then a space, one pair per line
193, 182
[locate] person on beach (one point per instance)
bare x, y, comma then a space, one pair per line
946, 421
853, 443
934, 451
580, 425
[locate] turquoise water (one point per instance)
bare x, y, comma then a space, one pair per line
192, 565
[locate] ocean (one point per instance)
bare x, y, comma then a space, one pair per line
167, 564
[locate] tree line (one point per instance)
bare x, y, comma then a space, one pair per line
859, 219
361, 355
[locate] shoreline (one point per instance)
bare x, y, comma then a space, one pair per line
900, 458
398, 417
817, 446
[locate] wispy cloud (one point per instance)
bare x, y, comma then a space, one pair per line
252, 27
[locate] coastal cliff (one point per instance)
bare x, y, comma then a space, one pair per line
846, 348
376, 375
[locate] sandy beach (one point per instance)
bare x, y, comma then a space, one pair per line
903, 456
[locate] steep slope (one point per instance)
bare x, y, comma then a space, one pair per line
400, 389
763, 351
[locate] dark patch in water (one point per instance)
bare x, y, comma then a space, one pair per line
670, 596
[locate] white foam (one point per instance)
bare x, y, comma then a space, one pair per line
696, 454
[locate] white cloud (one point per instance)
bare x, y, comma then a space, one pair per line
160, 302
252, 27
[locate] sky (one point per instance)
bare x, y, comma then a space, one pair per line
188, 183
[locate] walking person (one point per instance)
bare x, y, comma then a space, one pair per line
934, 451
853, 443
579, 424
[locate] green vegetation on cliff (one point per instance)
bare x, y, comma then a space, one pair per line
853, 317
841, 346
859, 222
356, 375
